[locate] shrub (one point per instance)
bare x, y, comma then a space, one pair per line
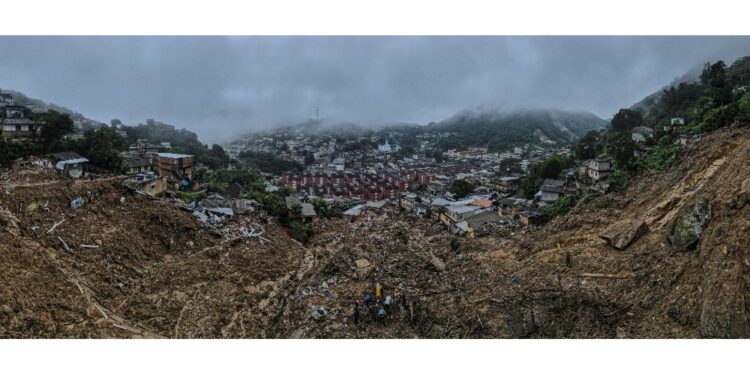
659, 159
561, 207
619, 179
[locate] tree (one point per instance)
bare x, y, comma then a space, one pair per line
626, 119
321, 207
461, 188
102, 147
309, 157
619, 179
589, 146
55, 126
714, 77
510, 165
550, 168
620, 147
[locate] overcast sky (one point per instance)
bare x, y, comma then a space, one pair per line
219, 86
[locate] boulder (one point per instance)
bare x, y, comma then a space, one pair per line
437, 263
622, 233
363, 268
687, 228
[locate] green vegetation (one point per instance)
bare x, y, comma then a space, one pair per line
461, 188
322, 208
182, 141
717, 99
550, 168
659, 159
560, 207
510, 165
102, 147
626, 119
619, 179
501, 132
10, 151
56, 126
302, 232
589, 146
217, 180
270, 163
621, 148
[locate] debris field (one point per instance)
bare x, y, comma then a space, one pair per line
668, 257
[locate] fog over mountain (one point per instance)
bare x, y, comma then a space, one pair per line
219, 86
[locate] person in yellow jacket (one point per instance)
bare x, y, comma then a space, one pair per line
378, 290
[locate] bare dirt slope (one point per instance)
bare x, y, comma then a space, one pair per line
666, 258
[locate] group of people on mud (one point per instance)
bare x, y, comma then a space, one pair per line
376, 305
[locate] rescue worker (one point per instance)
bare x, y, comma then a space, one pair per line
378, 290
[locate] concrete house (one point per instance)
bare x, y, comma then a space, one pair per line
642, 133
460, 213
138, 165
308, 212
19, 128
551, 190
596, 170
6, 100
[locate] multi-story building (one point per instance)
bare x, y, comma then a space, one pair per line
177, 167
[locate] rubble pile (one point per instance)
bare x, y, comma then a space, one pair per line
668, 257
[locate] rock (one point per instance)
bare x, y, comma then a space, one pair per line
624, 232
437, 262
687, 228
363, 268
362, 263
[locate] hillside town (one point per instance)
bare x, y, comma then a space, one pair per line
487, 223
466, 190
373, 178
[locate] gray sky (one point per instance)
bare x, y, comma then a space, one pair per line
219, 86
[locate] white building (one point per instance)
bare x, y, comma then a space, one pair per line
385, 148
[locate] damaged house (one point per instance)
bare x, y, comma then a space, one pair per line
69, 163
176, 167
550, 191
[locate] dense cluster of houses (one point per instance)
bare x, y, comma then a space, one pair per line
357, 185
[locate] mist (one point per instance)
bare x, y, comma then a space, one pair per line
223, 86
